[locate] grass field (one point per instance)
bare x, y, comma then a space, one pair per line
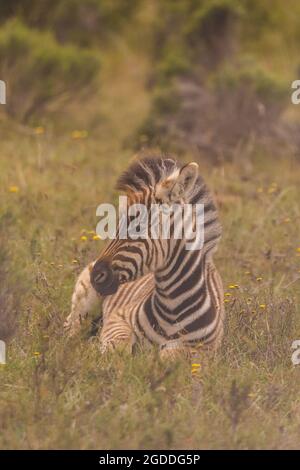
56, 393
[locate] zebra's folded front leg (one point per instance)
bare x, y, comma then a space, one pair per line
116, 333
84, 299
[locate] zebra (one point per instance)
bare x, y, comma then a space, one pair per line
154, 290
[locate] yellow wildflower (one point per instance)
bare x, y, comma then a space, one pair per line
96, 237
79, 135
83, 238
262, 306
39, 130
196, 364
14, 189
195, 368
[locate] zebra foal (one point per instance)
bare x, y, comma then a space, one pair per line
155, 290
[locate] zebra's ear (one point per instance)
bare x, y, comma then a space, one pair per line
184, 182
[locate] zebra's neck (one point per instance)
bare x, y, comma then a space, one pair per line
181, 303
180, 285
184, 301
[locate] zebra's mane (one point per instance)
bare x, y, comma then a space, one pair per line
146, 172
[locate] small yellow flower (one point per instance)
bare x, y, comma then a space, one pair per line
226, 301
75, 135
36, 353
227, 294
259, 279
196, 367
39, 130
298, 250
231, 286
52, 263
14, 189
83, 238
262, 306
248, 273
74, 261
96, 237
273, 187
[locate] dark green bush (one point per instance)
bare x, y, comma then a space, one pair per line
76, 21
38, 71
213, 87
268, 88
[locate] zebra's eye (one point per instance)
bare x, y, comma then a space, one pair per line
101, 277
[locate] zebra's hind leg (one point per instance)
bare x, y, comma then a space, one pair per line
84, 299
117, 333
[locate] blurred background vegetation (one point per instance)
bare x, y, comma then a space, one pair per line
219, 70
89, 83
222, 73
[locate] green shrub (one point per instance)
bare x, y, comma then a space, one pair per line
268, 88
38, 71
73, 21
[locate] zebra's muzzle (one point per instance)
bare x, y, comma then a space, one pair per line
103, 279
